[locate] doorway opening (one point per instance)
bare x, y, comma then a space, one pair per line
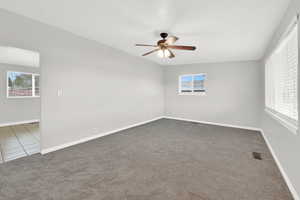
20, 103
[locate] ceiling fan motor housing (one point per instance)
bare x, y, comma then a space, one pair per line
164, 35
161, 42
165, 45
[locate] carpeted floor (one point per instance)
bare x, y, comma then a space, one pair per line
162, 160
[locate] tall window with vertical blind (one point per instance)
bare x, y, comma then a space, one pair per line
281, 80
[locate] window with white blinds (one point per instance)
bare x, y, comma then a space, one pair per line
192, 84
281, 79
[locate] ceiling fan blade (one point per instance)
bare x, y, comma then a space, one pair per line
171, 40
150, 52
171, 54
191, 48
145, 45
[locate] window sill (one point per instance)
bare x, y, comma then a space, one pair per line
287, 124
193, 94
23, 97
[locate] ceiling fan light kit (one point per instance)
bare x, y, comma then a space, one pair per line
163, 54
165, 45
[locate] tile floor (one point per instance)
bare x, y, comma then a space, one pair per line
19, 141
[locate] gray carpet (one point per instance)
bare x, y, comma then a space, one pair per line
162, 160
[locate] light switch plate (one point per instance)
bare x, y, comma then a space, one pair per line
59, 92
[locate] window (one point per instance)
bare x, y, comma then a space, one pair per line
36, 85
20, 84
281, 81
192, 84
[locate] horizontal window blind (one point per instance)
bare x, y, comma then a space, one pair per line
281, 77
192, 84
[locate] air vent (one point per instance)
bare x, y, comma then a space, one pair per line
256, 155
194, 196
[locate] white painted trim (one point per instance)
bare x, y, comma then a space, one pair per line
193, 94
19, 123
291, 125
283, 173
86, 139
23, 97
213, 123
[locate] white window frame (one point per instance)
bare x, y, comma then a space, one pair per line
290, 124
191, 93
33, 85
22, 97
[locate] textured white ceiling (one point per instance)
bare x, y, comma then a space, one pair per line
222, 30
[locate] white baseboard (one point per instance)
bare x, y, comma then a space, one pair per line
283, 173
19, 123
86, 139
213, 123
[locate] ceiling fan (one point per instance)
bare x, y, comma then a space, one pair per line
165, 45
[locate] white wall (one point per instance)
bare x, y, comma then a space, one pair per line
285, 144
233, 93
105, 89
21, 109
102, 89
